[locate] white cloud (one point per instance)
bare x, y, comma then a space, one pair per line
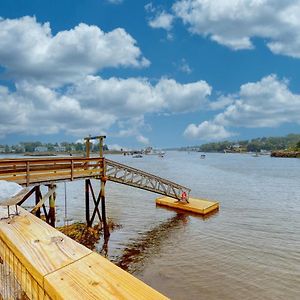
184, 67
135, 96
35, 109
266, 103
94, 105
115, 1
207, 131
142, 139
29, 50
234, 23
162, 20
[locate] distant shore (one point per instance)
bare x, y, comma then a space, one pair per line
288, 154
77, 153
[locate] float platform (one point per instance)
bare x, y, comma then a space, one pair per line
198, 206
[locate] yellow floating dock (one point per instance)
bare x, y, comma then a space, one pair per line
198, 206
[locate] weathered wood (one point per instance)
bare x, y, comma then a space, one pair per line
46, 262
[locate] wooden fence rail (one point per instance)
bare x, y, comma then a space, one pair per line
34, 171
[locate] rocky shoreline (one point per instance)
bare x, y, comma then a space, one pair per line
289, 154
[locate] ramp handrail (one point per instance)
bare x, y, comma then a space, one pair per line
124, 174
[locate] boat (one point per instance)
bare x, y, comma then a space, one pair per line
202, 156
137, 156
151, 151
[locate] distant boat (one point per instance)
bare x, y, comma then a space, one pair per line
256, 154
137, 156
202, 156
151, 151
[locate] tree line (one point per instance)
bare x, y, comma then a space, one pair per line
289, 142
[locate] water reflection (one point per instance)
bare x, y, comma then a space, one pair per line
141, 248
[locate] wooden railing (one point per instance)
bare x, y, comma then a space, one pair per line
44, 171
34, 171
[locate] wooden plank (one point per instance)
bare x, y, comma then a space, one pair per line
199, 206
39, 247
53, 264
94, 277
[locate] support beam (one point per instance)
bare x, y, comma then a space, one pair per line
37, 200
87, 202
52, 199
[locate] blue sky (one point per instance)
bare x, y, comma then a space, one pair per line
161, 73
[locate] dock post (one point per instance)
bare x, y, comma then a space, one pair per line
37, 200
103, 210
87, 203
52, 199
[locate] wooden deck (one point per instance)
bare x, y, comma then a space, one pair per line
42, 170
198, 206
49, 265
36, 171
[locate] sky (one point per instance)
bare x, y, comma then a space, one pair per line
158, 73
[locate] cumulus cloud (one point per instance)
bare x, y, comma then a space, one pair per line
266, 103
94, 105
135, 96
35, 109
234, 23
142, 140
162, 20
29, 50
184, 67
207, 131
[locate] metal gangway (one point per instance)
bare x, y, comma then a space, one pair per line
124, 174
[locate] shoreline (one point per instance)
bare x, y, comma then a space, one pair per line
285, 154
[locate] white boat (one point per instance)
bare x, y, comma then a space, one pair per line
151, 151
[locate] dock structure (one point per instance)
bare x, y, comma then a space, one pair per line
39, 262
197, 206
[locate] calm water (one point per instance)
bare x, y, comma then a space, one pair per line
250, 249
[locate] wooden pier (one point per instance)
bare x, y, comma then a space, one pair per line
39, 262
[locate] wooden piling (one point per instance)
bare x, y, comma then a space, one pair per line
87, 202
52, 199
37, 200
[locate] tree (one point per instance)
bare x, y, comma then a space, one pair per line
298, 145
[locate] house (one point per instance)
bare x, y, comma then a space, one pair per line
41, 149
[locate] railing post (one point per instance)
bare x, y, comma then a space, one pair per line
103, 208
37, 200
27, 173
87, 203
72, 169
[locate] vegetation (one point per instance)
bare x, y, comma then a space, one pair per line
289, 142
48, 147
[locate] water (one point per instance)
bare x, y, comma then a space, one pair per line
250, 249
